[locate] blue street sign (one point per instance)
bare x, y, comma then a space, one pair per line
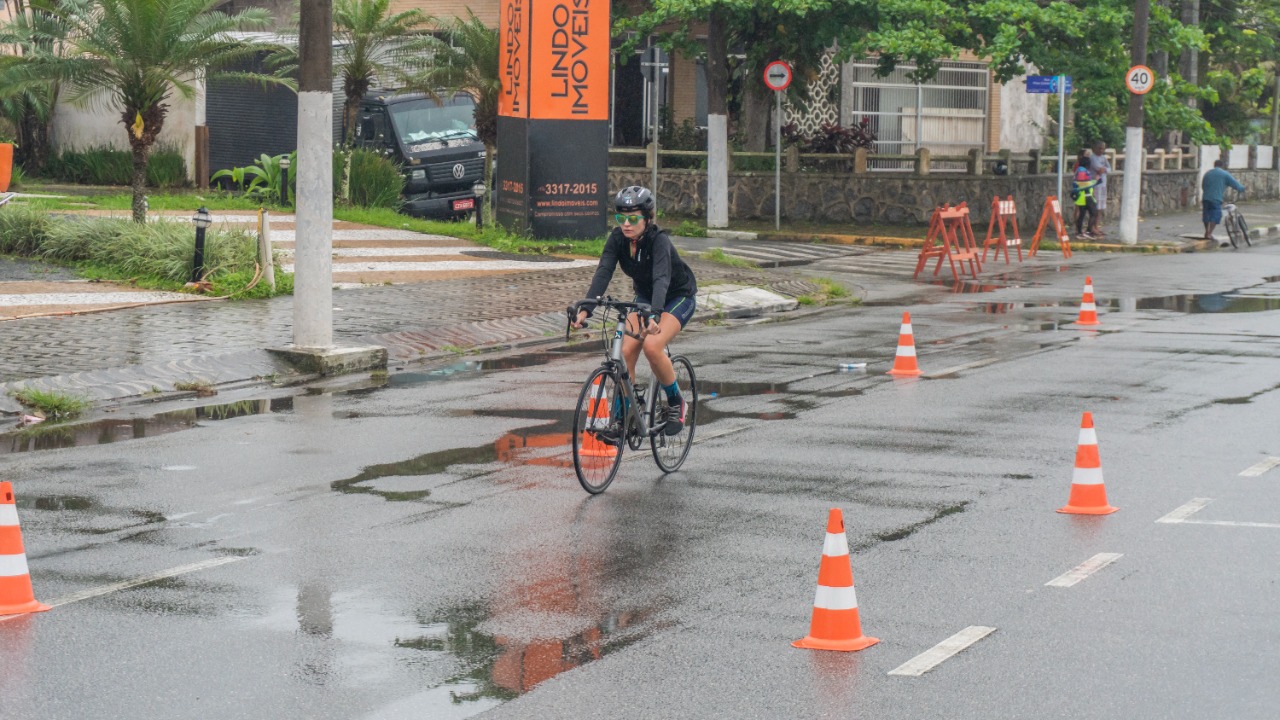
1045, 83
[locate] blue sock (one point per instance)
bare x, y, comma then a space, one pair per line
673, 392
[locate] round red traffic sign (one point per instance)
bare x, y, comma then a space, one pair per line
777, 75
1139, 79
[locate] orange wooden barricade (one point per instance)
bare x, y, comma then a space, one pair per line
1004, 216
1052, 212
951, 237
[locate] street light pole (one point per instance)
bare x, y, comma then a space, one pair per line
313, 263
202, 222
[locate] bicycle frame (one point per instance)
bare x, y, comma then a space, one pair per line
618, 366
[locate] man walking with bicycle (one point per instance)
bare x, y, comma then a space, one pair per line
661, 280
1212, 188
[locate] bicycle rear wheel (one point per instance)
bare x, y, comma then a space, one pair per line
669, 451
599, 431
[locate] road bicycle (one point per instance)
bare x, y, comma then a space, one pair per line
1237, 228
614, 413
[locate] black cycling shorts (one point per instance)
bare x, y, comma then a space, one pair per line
681, 308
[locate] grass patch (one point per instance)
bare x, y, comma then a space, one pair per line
806, 300
689, 228
831, 288
717, 255
491, 235
202, 388
123, 202
52, 405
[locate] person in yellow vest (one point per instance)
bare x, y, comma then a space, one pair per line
1083, 184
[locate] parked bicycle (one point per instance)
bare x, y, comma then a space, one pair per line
613, 413
1237, 228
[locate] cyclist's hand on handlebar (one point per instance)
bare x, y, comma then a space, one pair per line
579, 321
652, 328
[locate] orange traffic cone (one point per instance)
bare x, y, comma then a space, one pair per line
905, 361
835, 624
16, 596
1088, 494
1088, 309
597, 419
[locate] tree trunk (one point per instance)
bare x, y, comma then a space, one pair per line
349, 110
717, 122
141, 154
753, 125
33, 148
141, 138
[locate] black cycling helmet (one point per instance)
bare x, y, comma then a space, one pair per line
635, 198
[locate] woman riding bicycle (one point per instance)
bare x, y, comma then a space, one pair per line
661, 280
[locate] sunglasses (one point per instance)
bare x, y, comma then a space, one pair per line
633, 219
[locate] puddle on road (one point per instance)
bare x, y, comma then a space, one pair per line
106, 431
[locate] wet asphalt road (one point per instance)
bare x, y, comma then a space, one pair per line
418, 547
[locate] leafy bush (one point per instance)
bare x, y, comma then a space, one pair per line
689, 228
23, 230
831, 138
265, 178
375, 180
17, 176
107, 166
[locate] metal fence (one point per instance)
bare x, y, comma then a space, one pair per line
946, 114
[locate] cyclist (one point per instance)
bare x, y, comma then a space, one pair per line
660, 278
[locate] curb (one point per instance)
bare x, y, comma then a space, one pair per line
137, 384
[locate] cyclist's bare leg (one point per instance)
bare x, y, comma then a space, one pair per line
655, 349
631, 346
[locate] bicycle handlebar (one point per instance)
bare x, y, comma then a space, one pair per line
623, 307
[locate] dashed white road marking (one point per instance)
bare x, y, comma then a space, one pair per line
1232, 523
1181, 514
1084, 569
1260, 467
931, 658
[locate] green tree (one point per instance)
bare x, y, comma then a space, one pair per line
31, 110
1239, 67
466, 60
138, 53
372, 45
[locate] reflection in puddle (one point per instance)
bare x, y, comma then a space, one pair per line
1194, 304
711, 390
432, 463
102, 432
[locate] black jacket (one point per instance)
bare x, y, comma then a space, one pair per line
656, 271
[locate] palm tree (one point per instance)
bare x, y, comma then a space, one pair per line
31, 110
372, 45
136, 52
466, 61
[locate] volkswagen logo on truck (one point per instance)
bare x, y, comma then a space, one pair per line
459, 171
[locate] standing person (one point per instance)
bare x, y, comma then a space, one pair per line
1082, 187
1101, 168
661, 279
1212, 188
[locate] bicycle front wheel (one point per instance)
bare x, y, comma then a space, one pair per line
599, 431
1233, 231
1243, 228
669, 451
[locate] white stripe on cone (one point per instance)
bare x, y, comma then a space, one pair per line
906, 329
8, 515
1088, 306
1086, 476
906, 351
1088, 436
13, 565
842, 598
835, 545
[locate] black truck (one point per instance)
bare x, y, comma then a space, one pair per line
434, 143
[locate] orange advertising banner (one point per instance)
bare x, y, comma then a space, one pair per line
513, 34
569, 70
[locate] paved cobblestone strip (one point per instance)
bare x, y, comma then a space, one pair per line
138, 380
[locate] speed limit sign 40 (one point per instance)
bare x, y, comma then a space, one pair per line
1140, 79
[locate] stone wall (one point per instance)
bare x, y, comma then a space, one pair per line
905, 199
